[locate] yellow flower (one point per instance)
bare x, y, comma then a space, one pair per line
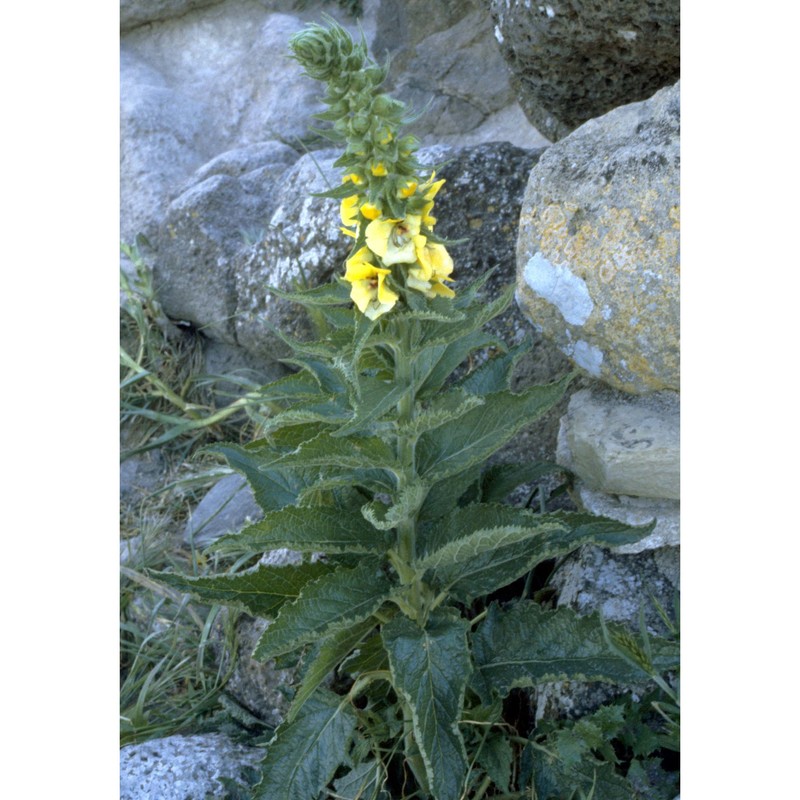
370, 211
394, 239
408, 189
429, 190
369, 290
435, 266
378, 170
354, 178
349, 211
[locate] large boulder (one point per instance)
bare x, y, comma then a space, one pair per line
572, 60
229, 200
133, 13
598, 263
182, 767
446, 61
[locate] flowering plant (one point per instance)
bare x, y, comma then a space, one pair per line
375, 463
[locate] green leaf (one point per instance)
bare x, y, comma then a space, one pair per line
260, 591
526, 645
363, 782
524, 539
309, 529
336, 601
553, 780
371, 657
407, 502
429, 669
304, 755
434, 365
362, 452
472, 438
496, 757
499, 480
325, 657
329, 294
376, 398
444, 496
494, 375
273, 488
445, 407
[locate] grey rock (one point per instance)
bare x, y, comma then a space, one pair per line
619, 444
301, 245
142, 474
257, 686
445, 60
598, 263
205, 226
572, 60
133, 13
222, 359
226, 508
159, 127
183, 767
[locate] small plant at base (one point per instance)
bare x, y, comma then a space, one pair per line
378, 460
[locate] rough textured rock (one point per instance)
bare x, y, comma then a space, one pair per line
598, 251
133, 13
183, 767
573, 60
623, 445
257, 686
445, 60
227, 507
205, 226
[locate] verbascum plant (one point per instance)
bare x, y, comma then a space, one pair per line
376, 464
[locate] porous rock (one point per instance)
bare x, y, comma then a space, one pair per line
572, 60
598, 251
183, 767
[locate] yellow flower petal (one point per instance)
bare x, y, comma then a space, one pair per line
408, 189
349, 210
394, 239
370, 211
378, 170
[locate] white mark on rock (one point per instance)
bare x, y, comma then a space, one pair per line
588, 357
607, 312
628, 36
497, 34
557, 285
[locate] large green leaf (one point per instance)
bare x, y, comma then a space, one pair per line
480, 548
526, 645
435, 364
305, 753
430, 668
472, 438
260, 591
355, 452
494, 374
336, 601
324, 658
309, 529
377, 397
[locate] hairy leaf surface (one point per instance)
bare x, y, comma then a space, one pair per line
309, 529
261, 591
526, 645
430, 669
333, 603
303, 757
472, 438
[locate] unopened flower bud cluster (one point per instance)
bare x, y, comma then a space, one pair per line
386, 204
